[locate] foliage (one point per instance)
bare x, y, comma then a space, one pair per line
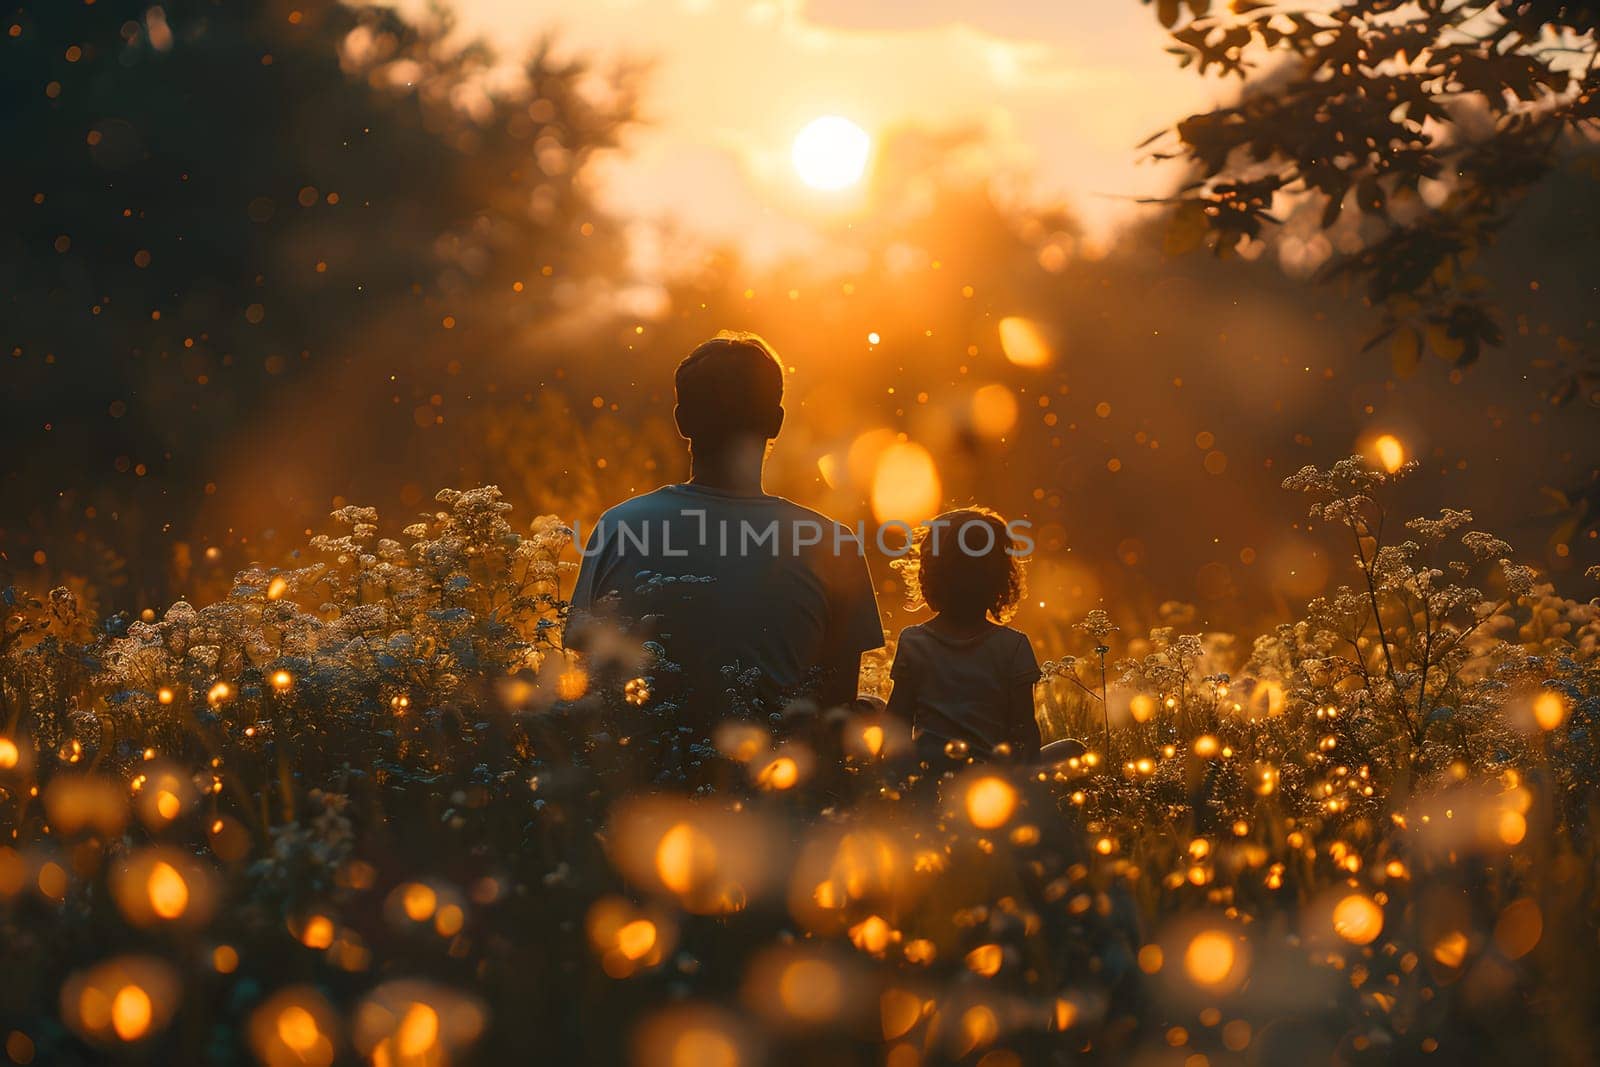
205, 224
1412, 130
369, 804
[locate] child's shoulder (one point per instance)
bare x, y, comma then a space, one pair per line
1012, 635
1012, 641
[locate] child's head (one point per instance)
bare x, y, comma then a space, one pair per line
965, 562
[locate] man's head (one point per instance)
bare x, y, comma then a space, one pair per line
730, 387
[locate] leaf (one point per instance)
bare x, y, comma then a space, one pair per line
1442, 344
1167, 12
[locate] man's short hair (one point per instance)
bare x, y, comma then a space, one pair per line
729, 386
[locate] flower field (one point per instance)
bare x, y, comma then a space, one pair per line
366, 808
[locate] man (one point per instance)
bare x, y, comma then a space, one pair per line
729, 575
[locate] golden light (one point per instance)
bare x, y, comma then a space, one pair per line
873, 736
685, 858
1023, 342
131, 1013
872, 935
295, 1027
830, 153
990, 802
1358, 919
572, 683
418, 1031
799, 987
1451, 949
636, 939
1388, 452
899, 1011
711, 860
626, 939
782, 773
994, 410
316, 932
979, 1027
125, 999
161, 794
168, 806
905, 485
741, 741
10, 754
163, 885
985, 960
1266, 699
637, 691
169, 893
282, 681
838, 869
1211, 959
811, 990
449, 921
690, 1035
1142, 707
828, 467
1511, 827
415, 1021
76, 803
1549, 710
418, 901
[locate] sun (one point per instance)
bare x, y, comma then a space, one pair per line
831, 153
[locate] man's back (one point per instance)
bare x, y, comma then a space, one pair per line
743, 581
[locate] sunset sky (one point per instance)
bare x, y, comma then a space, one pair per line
1062, 92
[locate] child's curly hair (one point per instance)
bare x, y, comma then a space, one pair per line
965, 561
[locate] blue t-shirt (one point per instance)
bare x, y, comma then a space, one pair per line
960, 688
740, 581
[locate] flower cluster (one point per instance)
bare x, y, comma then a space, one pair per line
368, 806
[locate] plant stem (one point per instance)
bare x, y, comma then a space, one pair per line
1105, 708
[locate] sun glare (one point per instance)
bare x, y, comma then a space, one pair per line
831, 153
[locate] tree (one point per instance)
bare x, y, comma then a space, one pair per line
217, 211
1396, 141
1412, 131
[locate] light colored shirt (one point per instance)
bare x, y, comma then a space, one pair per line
736, 581
962, 688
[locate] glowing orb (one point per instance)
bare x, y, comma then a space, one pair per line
1210, 958
1389, 452
1023, 342
831, 153
905, 485
1357, 919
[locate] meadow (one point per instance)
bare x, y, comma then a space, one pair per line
366, 807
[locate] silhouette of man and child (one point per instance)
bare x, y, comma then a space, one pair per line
747, 589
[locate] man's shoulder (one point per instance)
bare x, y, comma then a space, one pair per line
841, 533
645, 505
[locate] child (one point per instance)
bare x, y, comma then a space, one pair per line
964, 676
